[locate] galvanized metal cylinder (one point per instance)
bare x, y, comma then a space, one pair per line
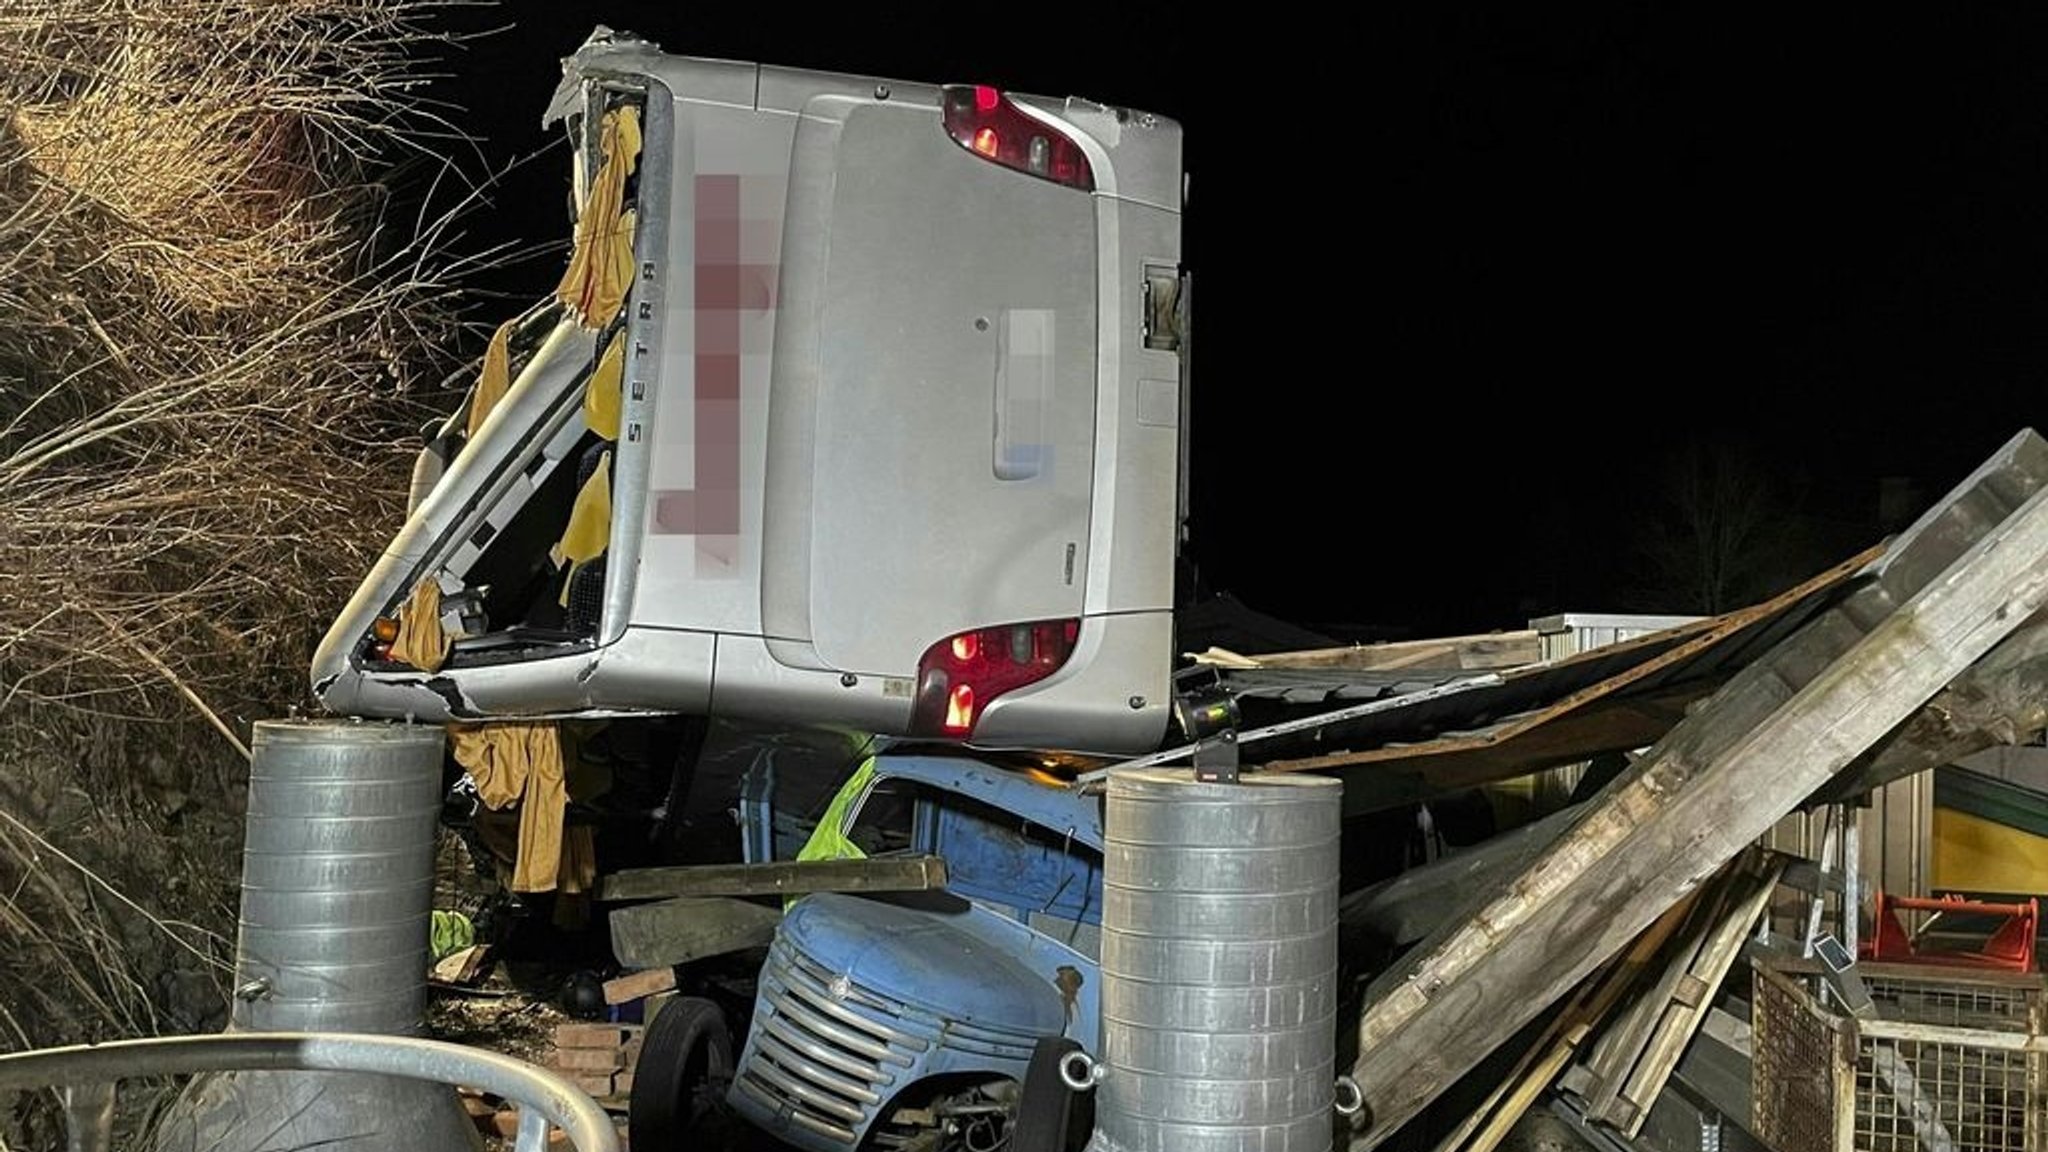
337, 900
1219, 964
338, 876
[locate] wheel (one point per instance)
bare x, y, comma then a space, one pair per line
1050, 1116
680, 1079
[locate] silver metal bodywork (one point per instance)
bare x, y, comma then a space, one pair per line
930, 408
1219, 964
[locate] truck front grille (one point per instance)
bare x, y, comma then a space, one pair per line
824, 1050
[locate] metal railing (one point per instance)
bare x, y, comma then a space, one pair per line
86, 1075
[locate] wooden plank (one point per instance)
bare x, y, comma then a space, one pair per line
1613, 1054
1479, 652
633, 986
1945, 593
688, 928
1633, 1057
777, 878
1491, 1122
1675, 1030
2001, 700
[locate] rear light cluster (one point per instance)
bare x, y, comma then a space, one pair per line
959, 676
988, 124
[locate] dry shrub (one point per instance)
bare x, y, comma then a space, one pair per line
216, 350
207, 339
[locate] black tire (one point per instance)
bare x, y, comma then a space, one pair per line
679, 1082
1050, 1116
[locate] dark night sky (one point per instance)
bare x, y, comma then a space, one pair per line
1468, 280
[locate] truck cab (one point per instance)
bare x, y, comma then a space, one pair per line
910, 1020
867, 410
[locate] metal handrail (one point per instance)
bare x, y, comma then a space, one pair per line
86, 1074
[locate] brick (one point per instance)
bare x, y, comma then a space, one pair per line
589, 1035
597, 1084
622, 1084
588, 1059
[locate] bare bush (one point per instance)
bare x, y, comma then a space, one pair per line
208, 339
218, 340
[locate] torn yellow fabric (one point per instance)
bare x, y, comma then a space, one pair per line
520, 763
601, 398
590, 523
601, 266
601, 283
420, 641
493, 380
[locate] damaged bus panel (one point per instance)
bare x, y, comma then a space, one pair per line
860, 403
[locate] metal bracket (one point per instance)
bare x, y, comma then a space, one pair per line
1838, 972
1216, 758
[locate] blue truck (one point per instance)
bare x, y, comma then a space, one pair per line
911, 1021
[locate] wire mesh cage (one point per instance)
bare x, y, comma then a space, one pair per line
1948, 1060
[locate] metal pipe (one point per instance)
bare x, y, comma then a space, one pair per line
1290, 727
538, 1091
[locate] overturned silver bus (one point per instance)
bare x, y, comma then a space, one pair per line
861, 403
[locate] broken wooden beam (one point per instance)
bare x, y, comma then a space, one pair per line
687, 928
1481, 652
1636, 1051
1945, 593
1495, 1117
777, 878
2001, 701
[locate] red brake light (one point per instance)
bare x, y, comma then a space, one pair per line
958, 676
960, 709
988, 124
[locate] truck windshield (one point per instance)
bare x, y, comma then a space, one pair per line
993, 857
